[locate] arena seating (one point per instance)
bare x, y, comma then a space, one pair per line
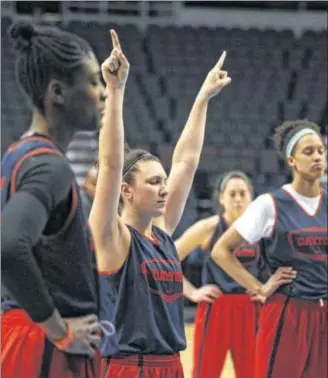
275, 76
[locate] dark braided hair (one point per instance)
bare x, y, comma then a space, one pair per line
45, 53
287, 130
131, 160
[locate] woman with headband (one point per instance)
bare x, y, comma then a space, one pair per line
292, 338
226, 316
135, 251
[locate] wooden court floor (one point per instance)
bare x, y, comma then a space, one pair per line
187, 357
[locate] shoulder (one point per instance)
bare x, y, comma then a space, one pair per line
263, 202
52, 160
258, 219
47, 177
49, 166
207, 224
261, 209
212, 221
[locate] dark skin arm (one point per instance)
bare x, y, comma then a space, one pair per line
42, 183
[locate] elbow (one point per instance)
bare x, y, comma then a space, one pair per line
218, 254
181, 255
193, 161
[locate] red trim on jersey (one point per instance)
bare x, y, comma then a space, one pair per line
302, 208
14, 145
153, 239
108, 272
275, 215
40, 151
37, 151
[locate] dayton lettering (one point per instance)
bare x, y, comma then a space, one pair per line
166, 276
312, 241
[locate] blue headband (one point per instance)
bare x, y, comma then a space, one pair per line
300, 134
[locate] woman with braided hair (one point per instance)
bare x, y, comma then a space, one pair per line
50, 302
292, 221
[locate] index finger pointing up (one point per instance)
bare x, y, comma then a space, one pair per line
115, 41
220, 62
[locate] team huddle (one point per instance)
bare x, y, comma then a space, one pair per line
66, 276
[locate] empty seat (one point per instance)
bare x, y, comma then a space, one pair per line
269, 161
165, 153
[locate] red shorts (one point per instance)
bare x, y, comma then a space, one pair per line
147, 366
228, 324
299, 348
26, 353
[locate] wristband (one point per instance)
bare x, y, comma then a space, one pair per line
62, 343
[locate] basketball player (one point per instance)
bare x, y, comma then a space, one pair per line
226, 317
292, 339
135, 250
50, 322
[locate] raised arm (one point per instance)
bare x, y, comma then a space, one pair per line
198, 235
108, 231
188, 149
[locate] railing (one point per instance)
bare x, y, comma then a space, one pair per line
144, 13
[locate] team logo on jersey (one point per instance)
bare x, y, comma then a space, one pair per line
247, 254
310, 242
164, 278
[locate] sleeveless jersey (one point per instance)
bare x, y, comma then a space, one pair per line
147, 296
301, 241
248, 255
67, 259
